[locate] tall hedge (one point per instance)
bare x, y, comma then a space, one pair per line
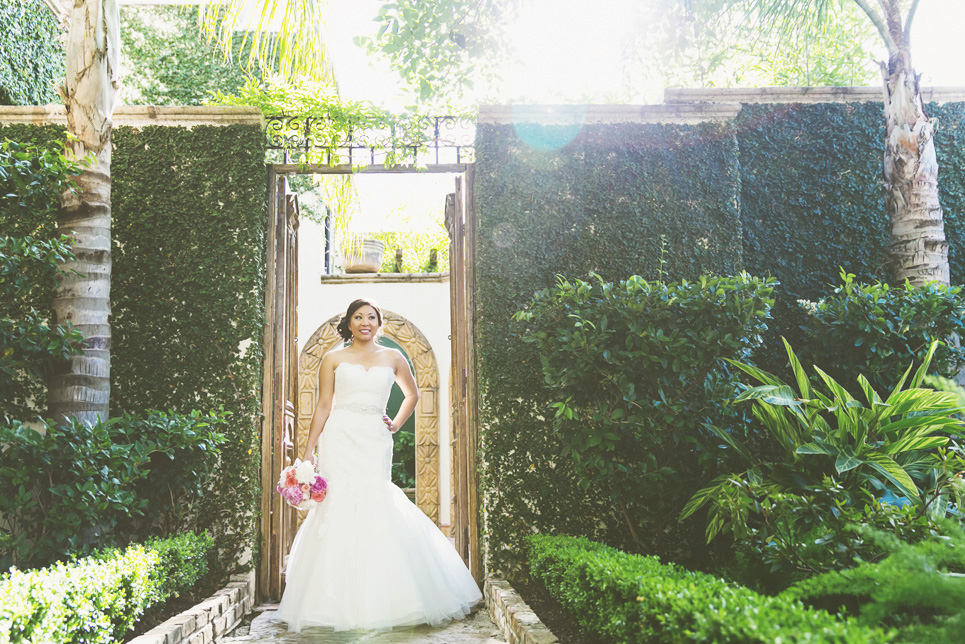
31, 53
598, 203
812, 200
189, 212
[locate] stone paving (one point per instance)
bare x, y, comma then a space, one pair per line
478, 628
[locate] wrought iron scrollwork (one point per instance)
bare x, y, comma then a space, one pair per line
422, 140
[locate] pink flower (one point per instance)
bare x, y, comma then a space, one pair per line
305, 487
290, 479
319, 496
320, 484
293, 495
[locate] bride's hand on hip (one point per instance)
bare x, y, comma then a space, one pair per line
388, 424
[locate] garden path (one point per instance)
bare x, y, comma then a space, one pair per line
478, 628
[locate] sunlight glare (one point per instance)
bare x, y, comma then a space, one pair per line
569, 49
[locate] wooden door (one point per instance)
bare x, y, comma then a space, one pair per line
280, 386
461, 223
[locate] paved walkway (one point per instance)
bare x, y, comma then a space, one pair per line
478, 628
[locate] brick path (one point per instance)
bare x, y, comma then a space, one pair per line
475, 629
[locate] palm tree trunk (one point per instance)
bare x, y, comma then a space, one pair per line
82, 389
918, 247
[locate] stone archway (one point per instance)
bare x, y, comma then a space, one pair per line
423, 359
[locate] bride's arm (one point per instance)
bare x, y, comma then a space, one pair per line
326, 392
406, 382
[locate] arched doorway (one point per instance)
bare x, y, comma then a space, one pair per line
415, 344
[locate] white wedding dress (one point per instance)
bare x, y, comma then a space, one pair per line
366, 557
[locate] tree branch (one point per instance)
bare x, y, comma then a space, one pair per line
910, 19
879, 22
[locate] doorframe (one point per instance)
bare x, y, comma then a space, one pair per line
271, 563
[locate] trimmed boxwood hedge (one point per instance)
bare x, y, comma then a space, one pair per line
190, 217
98, 598
618, 597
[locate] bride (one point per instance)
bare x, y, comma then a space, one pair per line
366, 557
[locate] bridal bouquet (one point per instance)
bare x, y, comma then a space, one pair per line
300, 486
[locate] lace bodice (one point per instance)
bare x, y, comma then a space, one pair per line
362, 390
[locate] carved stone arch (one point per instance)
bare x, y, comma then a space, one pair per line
415, 344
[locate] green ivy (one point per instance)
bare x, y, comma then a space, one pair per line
32, 56
812, 202
189, 211
599, 203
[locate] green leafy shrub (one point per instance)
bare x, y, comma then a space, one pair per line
619, 597
185, 203
32, 178
876, 330
637, 371
98, 598
918, 589
29, 345
838, 458
75, 487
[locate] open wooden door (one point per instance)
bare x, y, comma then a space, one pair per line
280, 385
461, 223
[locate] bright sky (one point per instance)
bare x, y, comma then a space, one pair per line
575, 44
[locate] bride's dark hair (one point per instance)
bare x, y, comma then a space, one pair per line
342, 327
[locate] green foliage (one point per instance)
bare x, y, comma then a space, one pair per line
812, 203
416, 250
189, 210
618, 597
167, 60
32, 56
440, 48
876, 329
75, 487
32, 178
403, 464
190, 220
399, 136
98, 599
599, 203
29, 346
841, 455
918, 589
637, 370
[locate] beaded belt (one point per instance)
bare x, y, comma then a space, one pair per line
361, 408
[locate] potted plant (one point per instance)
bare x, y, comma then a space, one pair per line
363, 256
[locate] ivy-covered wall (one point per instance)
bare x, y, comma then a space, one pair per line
189, 226
812, 200
31, 53
795, 190
599, 203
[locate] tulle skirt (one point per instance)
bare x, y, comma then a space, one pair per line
368, 558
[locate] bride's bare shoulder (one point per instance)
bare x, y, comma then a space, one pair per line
333, 358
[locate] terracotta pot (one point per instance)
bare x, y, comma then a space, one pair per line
365, 259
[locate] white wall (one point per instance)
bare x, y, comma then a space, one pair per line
425, 304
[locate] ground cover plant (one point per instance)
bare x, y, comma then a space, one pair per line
620, 597
99, 598
890, 462
637, 370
